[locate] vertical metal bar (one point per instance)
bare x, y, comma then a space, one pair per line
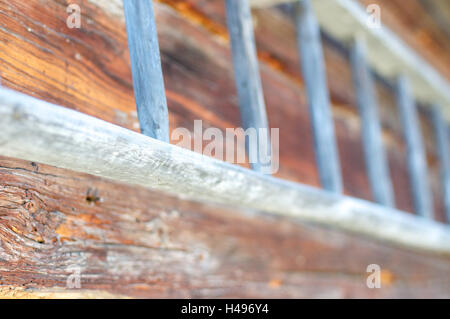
375, 156
146, 69
416, 153
313, 68
248, 80
441, 133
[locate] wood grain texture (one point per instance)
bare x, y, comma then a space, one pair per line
38, 131
139, 243
146, 68
375, 156
248, 83
313, 69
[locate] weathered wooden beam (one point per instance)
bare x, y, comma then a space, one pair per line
417, 165
248, 82
313, 69
441, 132
135, 242
38, 131
374, 152
146, 69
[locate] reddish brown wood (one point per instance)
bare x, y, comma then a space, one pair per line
134, 242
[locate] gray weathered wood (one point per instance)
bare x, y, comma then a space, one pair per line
417, 164
37, 131
441, 132
375, 155
248, 81
313, 69
146, 69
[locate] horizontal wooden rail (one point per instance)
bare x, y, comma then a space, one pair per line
387, 53
38, 131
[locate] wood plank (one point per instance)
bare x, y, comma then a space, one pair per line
313, 68
416, 153
248, 82
132, 242
75, 141
146, 68
375, 156
441, 133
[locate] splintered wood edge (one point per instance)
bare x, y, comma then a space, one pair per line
38, 131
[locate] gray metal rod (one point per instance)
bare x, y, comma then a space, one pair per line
441, 133
374, 152
313, 68
248, 82
145, 59
416, 152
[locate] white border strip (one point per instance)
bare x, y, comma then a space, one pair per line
387, 53
38, 131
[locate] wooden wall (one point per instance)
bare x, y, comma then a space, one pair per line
128, 241
49, 217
